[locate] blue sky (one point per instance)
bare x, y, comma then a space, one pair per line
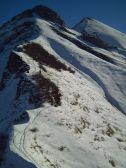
111, 12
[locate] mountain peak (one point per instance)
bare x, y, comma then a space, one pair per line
85, 19
83, 23
40, 11
94, 28
48, 14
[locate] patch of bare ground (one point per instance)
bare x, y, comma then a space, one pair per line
49, 91
16, 64
62, 148
110, 131
34, 129
52, 165
77, 130
84, 123
120, 139
112, 163
39, 148
43, 90
24, 87
75, 101
39, 54
98, 138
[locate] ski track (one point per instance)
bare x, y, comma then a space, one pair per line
21, 147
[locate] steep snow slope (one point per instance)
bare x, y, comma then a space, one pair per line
101, 67
59, 102
102, 31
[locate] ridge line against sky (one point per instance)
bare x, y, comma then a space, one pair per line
110, 12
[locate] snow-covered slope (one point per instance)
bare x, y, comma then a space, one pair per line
62, 100
102, 31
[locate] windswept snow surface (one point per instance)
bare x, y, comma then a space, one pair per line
88, 129
109, 77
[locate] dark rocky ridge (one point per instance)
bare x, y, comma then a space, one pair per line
15, 66
41, 11
84, 46
19, 34
39, 54
43, 90
48, 14
94, 39
22, 29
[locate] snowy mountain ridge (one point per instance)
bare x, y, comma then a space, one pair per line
62, 95
102, 31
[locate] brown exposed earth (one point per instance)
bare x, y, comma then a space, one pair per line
39, 54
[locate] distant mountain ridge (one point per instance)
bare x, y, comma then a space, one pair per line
92, 27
